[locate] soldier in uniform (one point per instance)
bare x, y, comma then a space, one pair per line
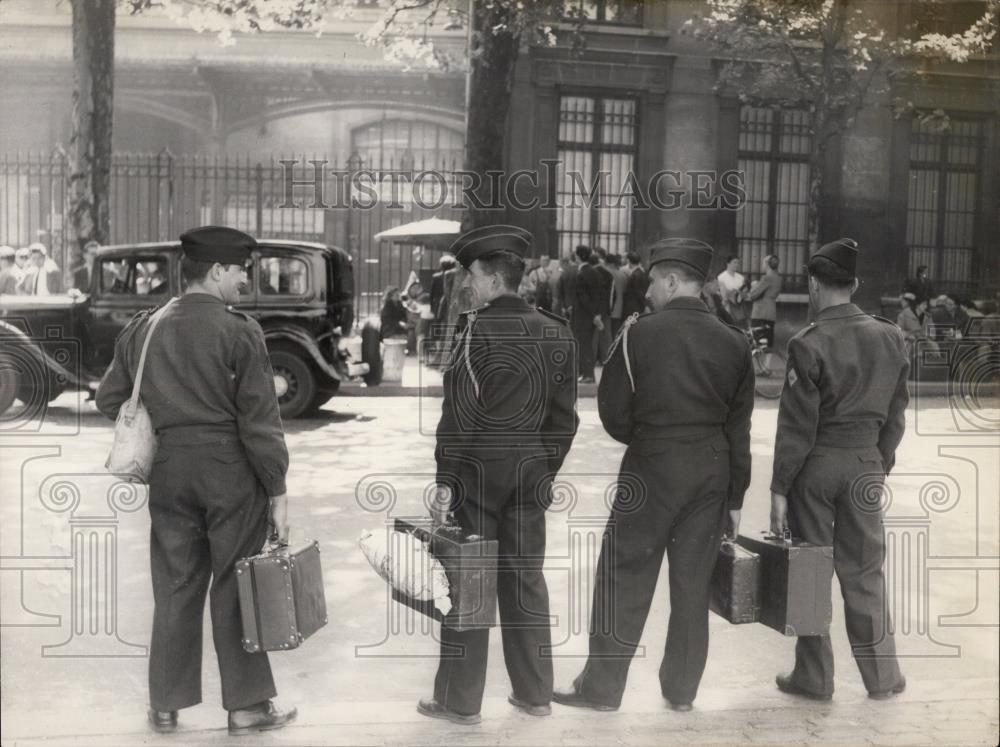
840, 420
220, 463
507, 422
678, 389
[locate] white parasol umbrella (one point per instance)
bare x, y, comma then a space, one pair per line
421, 231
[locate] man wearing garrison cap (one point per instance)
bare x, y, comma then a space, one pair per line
840, 420
678, 389
219, 475
507, 422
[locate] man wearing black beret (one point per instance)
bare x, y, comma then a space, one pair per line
678, 389
218, 476
507, 422
841, 417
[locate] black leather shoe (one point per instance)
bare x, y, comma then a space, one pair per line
570, 697
787, 685
163, 722
261, 717
531, 710
886, 694
433, 709
681, 706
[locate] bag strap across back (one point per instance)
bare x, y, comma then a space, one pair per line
133, 403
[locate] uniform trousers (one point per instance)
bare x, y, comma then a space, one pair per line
673, 501
503, 498
208, 510
834, 501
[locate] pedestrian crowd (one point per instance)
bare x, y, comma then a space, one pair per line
30, 271
677, 389
934, 321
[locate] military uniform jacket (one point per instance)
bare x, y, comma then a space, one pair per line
846, 387
207, 379
510, 384
680, 373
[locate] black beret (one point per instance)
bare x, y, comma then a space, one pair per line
227, 246
842, 252
481, 242
695, 254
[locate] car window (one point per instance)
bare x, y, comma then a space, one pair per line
282, 276
135, 276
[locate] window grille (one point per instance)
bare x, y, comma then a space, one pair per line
598, 140
774, 149
942, 200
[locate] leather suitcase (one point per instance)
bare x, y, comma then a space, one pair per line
735, 590
795, 584
471, 568
281, 597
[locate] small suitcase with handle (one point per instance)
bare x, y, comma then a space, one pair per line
795, 584
470, 564
735, 591
281, 597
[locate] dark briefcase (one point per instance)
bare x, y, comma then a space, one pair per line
470, 563
735, 590
281, 597
795, 580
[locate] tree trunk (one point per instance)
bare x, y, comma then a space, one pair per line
489, 103
93, 111
816, 165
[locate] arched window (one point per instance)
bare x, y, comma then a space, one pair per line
406, 144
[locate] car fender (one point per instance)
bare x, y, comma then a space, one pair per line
306, 342
38, 354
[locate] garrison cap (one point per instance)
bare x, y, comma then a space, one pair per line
23, 252
842, 252
227, 246
38, 247
481, 242
6, 252
695, 254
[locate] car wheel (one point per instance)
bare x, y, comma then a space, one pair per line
24, 378
8, 387
294, 382
371, 353
322, 397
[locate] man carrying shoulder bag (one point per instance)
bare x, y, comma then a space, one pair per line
217, 479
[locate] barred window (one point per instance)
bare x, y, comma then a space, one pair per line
774, 149
404, 144
597, 151
941, 210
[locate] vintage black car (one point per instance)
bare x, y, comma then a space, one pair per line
301, 293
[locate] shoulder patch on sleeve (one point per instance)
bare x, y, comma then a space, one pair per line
793, 377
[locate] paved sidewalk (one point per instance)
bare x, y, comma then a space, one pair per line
928, 713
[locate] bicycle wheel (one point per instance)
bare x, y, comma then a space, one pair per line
769, 369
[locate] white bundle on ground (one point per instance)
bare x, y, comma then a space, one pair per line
407, 565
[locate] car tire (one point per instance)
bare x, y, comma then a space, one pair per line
322, 397
371, 353
294, 381
25, 379
8, 387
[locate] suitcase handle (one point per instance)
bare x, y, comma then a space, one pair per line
786, 536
